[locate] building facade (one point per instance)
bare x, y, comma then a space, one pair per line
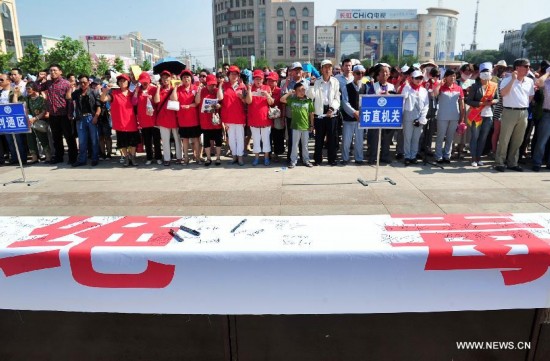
10, 38
132, 46
374, 33
43, 43
513, 40
280, 31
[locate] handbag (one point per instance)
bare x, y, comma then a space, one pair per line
215, 118
40, 125
173, 105
274, 112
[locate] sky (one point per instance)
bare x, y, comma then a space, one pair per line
185, 25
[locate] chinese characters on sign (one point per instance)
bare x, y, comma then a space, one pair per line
498, 242
381, 111
13, 119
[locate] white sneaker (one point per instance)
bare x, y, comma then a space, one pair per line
122, 160
148, 162
480, 163
474, 164
159, 161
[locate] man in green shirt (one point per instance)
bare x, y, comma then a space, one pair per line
302, 111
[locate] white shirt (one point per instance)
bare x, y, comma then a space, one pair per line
519, 94
325, 87
4, 96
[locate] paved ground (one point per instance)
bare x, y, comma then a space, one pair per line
110, 189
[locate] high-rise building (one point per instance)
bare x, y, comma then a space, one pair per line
513, 41
280, 31
373, 33
42, 42
132, 46
9, 36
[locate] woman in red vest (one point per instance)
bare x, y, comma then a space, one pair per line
232, 95
166, 119
123, 117
210, 123
258, 98
188, 117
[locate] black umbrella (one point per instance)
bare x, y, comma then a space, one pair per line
173, 65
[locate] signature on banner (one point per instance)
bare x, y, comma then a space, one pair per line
499, 243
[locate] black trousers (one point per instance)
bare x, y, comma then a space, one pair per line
278, 140
61, 127
325, 127
372, 142
151, 139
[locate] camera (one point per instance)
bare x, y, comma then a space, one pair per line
416, 123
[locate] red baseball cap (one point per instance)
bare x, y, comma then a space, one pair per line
165, 72
123, 76
211, 79
234, 69
144, 78
186, 72
258, 74
273, 76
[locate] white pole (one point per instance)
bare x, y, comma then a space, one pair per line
19, 158
223, 55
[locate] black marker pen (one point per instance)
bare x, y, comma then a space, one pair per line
175, 235
190, 231
238, 225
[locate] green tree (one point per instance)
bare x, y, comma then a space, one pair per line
6, 60
146, 65
241, 62
389, 59
261, 63
407, 59
481, 56
32, 61
537, 40
119, 65
71, 56
102, 66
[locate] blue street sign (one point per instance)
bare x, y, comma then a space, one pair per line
13, 119
381, 111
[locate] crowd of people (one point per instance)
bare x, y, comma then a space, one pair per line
474, 113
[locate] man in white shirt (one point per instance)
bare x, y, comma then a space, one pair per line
516, 91
326, 97
16, 77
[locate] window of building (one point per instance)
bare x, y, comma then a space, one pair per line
280, 51
305, 12
238, 3
251, 39
292, 51
280, 12
305, 25
305, 38
250, 2
250, 14
250, 27
279, 25
293, 25
305, 50
243, 14
292, 12
427, 54
231, 3
292, 38
428, 43
429, 34
244, 40
237, 52
280, 39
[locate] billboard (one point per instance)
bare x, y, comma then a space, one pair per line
350, 44
376, 14
371, 43
409, 45
325, 42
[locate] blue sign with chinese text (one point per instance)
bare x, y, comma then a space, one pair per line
381, 111
13, 119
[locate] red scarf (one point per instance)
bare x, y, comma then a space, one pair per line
415, 87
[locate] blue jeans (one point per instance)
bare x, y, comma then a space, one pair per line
411, 137
350, 129
85, 129
478, 136
543, 134
20, 138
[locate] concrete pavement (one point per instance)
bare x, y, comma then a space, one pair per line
110, 189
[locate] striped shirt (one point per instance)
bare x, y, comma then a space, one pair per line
57, 90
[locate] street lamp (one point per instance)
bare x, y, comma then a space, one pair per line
223, 55
325, 47
462, 51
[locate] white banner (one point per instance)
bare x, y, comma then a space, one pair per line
275, 265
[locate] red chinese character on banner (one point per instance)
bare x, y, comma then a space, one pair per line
493, 236
125, 232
